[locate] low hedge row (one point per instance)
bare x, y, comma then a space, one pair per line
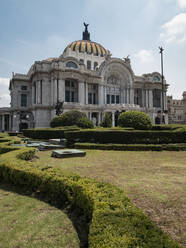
169, 127
135, 147
47, 133
126, 137
115, 222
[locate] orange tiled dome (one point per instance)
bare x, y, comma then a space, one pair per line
87, 46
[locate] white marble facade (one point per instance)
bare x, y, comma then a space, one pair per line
85, 77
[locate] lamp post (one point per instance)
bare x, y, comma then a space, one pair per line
162, 81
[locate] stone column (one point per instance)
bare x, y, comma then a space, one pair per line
81, 93
126, 96
86, 93
143, 97
150, 99
147, 99
90, 115
61, 90
55, 90
123, 96
113, 119
38, 91
105, 95
32, 93
51, 92
131, 96
10, 122
100, 95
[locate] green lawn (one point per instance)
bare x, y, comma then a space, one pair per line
155, 181
26, 222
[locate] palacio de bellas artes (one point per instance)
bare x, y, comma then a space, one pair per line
84, 77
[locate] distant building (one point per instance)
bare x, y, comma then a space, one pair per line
177, 109
85, 77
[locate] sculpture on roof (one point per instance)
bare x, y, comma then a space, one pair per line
86, 26
86, 34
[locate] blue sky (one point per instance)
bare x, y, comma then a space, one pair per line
38, 29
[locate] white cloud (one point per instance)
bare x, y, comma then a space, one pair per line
182, 3
145, 56
4, 82
4, 92
175, 29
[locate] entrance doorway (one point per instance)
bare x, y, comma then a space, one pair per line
23, 125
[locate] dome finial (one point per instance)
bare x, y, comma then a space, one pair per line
86, 34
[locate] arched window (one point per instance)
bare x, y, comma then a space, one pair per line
82, 61
156, 79
112, 80
88, 64
71, 64
95, 65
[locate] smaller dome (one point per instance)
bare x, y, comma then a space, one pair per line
86, 46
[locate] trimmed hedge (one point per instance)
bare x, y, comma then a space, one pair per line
135, 147
48, 133
126, 137
115, 221
172, 127
136, 119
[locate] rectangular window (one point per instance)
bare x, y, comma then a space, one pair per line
108, 99
117, 99
23, 87
67, 96
72, 96
94, 98
71, 91
23, 100
67, 83
156, 98
89, 98
113, 99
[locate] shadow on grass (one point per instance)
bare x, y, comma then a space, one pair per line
76, 215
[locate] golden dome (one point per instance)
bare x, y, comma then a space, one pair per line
87, 46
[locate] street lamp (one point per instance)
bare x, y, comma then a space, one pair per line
162, 81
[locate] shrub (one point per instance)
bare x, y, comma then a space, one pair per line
135, 119
107, 120
85, 123
69, 118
